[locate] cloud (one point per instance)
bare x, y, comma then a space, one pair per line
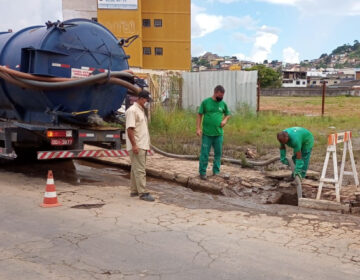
264, 41
287, 2
28, 13
283, 2
203, 23
197, 50
269, 29
224, 1
247, 22
241, 56
322, 7
290, 55
242, 37
228, 1
313, 7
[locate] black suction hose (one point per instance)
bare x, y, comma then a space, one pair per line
229, 160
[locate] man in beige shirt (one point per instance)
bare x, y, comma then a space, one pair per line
138, 143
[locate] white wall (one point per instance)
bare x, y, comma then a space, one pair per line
240, 87
303, 83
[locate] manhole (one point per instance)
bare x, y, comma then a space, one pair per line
88, 206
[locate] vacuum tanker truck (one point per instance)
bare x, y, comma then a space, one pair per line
56, 81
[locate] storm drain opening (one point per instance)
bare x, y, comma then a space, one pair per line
88, 206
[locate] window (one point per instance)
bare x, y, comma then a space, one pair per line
303, 83
146, 50
94, 19
158, 51
298, 82
314, 82
158, 22
146, 22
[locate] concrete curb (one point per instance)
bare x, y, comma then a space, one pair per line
193, 183
324, 205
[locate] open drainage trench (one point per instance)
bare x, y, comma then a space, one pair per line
288, 199
78, 173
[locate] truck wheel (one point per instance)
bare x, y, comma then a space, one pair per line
24, 154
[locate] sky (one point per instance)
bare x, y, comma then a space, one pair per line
284, 30
256, 30
18, 14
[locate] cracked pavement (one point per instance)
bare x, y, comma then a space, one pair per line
183, 235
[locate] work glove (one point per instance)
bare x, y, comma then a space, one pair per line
299, 164
283, 158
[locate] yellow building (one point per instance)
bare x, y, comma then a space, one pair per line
235, 67
163, 27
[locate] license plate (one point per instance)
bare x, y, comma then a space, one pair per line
61, 142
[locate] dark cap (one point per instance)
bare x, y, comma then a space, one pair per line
145, 94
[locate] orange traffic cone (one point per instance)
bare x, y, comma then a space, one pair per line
50, 198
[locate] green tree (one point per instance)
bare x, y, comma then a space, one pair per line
195, 60
356, 45
342, 49
268, 77
204, 62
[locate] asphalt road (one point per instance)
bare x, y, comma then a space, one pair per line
102, 233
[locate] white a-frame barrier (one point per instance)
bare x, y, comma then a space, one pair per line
343, 137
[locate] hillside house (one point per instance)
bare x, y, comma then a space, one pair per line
292, 78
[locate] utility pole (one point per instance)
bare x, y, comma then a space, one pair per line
323, 98
258, 97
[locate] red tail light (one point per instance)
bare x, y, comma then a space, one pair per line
58, 133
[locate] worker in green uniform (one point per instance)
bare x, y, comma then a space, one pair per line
213, 114
302, 142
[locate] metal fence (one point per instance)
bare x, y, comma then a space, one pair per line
240, 88
165, 88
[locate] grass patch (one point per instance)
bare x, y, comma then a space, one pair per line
175, 131
339, 106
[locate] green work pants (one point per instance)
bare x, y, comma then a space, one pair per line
138, 172
306, 158
206, 143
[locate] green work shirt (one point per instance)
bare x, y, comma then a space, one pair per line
213, 113
300, 139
